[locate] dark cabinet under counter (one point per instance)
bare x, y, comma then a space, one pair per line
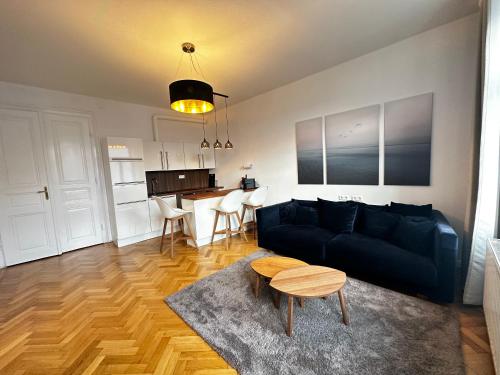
164, 182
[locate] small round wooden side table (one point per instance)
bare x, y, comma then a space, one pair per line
268, 267
310, 282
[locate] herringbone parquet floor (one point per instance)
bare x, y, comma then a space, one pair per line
100, 311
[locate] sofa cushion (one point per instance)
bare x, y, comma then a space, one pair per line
410, 209
377, 258
304, 242
414, 234
378, 224
288, 212
338, 217
306, 216
305, 203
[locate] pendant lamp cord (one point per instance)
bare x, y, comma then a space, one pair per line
216, 125
204, 135
227, 121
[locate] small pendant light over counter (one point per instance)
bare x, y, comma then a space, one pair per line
217, 144
228, 144
189, 95
204, 144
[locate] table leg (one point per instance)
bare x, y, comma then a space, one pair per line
290, 316
257, 286
343, 306
277, 299
301, 301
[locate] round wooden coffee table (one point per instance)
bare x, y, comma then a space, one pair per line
268, 267
310, 282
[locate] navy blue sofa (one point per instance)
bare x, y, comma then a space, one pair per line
363, 251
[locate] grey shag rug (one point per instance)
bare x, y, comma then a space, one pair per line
389, 333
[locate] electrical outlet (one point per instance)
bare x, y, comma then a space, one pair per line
343, 197
182, 177
357, 198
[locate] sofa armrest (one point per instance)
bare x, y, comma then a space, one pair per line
267, 217
445, 256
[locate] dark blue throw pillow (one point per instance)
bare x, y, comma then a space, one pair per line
378, 224
305, 203
414, 234
288, 212
339, 217
410, 209
306, 216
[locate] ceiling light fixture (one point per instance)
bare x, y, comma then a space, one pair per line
204, 144
217, 144
228, 144
189, 95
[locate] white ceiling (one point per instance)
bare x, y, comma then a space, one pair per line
129, 50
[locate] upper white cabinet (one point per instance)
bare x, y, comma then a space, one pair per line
192, 156
124, 148
154, 159
174, 155
170, 156
208, 158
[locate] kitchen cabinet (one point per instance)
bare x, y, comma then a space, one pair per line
153, 156
174, 156
192, 156
208, 158
132, 219
124, 148
127, 171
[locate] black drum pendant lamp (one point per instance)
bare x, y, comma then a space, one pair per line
189, 95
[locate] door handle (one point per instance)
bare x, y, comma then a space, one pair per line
199, 161
203, 159
161, 158
166, 159
44, 191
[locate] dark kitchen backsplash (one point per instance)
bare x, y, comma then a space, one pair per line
160, 182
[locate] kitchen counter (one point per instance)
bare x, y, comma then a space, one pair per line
202, 207
183, 192
212, 194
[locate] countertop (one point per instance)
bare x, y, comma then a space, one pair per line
211, 194
189, 191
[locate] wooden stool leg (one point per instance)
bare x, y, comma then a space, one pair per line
243, 214
163, 234
257, 286
215, 226
301, 301
241, 226
343, 306
290, 316
171, 238
227, 218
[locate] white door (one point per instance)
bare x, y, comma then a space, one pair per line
192, 156
154, 159
26, 224
174, 155
208, 158
73, 182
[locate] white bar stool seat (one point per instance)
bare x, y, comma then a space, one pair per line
255, 200
174, 214
229, 205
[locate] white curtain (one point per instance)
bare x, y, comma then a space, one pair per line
486, 220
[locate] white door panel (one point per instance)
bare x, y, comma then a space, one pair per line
174, 155
154, 159
192, 156
26, 223
73, 180
208, 158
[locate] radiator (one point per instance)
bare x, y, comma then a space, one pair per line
491, 302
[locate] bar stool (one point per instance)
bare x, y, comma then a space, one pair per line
174, 214
255, 200
228, 206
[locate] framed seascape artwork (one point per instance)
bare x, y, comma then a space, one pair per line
352, 147
309, 137
408, 135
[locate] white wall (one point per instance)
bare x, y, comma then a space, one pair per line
442, 60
